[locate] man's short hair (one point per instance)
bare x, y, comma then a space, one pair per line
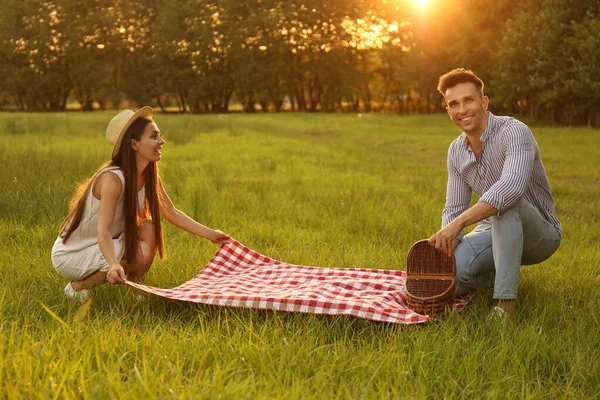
456, 76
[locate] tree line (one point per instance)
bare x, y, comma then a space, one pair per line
539, 58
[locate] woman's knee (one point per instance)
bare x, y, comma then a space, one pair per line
146, 229
147, 235
146, 255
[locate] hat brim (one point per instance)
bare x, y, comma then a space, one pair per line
144, 112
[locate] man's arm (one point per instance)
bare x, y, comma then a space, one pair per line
505, 193
458, 198
446, 238
516, 170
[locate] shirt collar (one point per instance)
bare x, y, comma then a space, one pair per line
462, 139
490, 127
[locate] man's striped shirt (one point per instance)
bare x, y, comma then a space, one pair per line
509, 168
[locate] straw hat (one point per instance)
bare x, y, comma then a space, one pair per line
120, 123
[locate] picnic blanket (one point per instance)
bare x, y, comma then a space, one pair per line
237, 276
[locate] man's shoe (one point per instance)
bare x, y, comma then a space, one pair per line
497, 314
83, 295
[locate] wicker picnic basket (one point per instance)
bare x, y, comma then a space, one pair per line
430, 279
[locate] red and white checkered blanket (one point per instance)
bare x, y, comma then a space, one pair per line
240, 277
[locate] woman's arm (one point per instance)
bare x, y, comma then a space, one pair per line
182, 221
108, 186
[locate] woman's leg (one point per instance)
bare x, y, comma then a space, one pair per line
95, 279
85, 268
145, 255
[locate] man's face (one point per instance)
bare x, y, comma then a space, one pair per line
467, 107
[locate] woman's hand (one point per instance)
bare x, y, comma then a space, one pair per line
218, 237
116, 274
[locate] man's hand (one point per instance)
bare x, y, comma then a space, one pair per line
445, 239
116, 275
219, 237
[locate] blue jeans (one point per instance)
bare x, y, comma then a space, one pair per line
493, 257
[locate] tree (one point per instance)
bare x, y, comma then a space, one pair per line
536, 72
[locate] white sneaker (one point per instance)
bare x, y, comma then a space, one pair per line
498, 314
83, 295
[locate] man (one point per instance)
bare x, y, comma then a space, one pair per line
497, 158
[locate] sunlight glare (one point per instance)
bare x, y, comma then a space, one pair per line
421, 3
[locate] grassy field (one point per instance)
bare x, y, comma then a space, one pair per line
325, 190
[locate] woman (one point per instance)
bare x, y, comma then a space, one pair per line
113, 227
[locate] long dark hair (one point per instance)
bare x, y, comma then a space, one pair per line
125, 160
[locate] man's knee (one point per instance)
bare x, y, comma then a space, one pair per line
511, 215
514, 213
464, 257
473, 257
464, 277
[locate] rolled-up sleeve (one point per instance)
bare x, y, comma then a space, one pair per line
516, 171
458, 193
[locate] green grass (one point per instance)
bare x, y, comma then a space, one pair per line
325, 190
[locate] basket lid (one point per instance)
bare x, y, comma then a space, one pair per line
423, 259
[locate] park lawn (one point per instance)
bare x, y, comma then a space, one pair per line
324, 190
